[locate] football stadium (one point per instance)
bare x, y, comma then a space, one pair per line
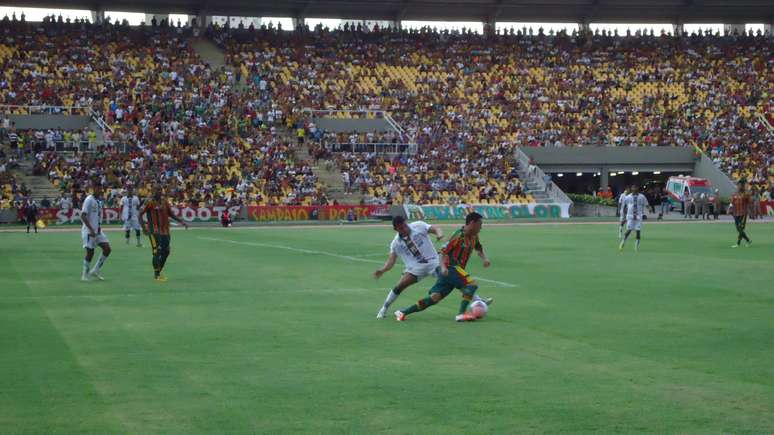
386, 216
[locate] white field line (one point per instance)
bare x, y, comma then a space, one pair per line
331, 254
100, 296
118, 228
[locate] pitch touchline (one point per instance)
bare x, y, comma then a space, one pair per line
331, 254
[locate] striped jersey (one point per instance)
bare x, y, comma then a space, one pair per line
157, 215
740, 203
459, 248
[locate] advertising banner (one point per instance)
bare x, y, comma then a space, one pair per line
313, 213
113, 215
489, 211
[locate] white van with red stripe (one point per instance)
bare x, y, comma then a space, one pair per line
676, 188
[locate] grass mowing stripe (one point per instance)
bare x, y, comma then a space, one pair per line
331, 254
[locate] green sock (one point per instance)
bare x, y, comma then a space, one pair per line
156, 266
419, 306
465, 302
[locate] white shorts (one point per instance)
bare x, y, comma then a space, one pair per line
92, 242
634, 224
423, 270
132, 224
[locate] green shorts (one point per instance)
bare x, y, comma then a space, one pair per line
159, 243
457, 278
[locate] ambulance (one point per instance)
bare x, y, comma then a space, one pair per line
676, 188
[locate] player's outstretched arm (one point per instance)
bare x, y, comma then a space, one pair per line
175, 218
483, 256
435, 229
387, 266
178, 220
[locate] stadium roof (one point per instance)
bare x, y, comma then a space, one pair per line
635, 11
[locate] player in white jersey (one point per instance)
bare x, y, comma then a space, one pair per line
622, 212
414, 247
92, 235
130, 204
635, 204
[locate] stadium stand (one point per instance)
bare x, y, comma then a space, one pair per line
474, 92
465, 99
181, 120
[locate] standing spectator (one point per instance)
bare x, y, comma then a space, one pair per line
13, 140
665, 206
5, 125
686, 203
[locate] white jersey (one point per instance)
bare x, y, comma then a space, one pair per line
622, 203
635, 206
92, 211
417, 249
129, 207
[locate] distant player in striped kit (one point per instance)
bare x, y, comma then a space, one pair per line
130, 205
157, 212
739, 207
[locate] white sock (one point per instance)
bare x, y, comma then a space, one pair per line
100, 262
477, 298
390, 299
637, 243
86, 266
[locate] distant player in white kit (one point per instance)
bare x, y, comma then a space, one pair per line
622, 212
92, 235
635, 204
414, 247
130, 204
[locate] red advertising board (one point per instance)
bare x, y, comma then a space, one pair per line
213, 214
310, 213
113, 215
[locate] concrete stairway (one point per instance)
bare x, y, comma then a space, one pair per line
39, 185
213, 55
532, 187
330, 175
327, 173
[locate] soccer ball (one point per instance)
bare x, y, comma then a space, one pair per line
479, 309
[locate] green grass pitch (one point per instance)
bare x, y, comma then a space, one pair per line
272, 330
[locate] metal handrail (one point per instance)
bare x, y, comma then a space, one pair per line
33, 109
555, 193
370, 114
100, 121
376, 147
765, 122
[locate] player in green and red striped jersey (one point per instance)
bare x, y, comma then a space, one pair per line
157, 213
454, 257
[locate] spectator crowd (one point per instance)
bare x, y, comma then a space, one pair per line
235, 134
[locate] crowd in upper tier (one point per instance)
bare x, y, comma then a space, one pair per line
470, 92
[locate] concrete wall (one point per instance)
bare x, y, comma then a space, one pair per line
348, 125
614, 157
706, 169
580, 209
609, 159
67, 122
